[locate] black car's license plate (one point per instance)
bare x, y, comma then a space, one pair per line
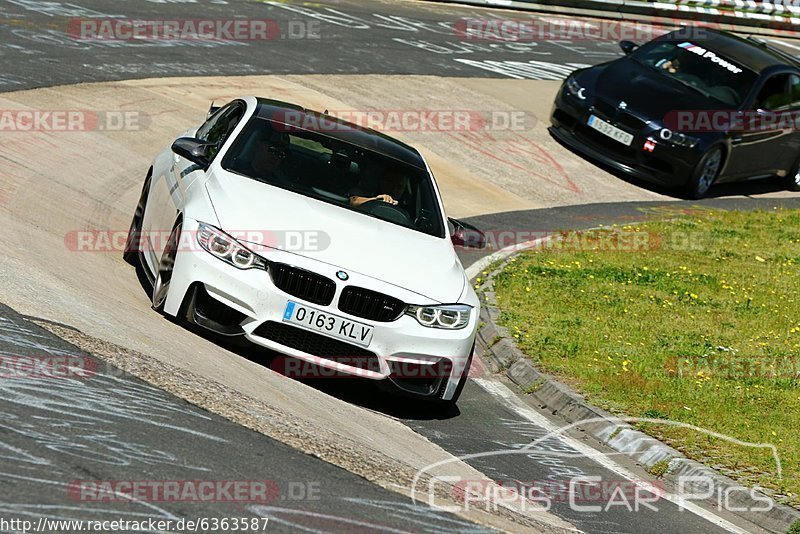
610, 130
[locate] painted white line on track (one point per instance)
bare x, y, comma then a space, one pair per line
510, 399
473, 270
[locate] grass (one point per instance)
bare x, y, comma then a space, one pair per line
695, 321
659, 469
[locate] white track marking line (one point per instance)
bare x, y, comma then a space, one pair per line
473, 270
511, 400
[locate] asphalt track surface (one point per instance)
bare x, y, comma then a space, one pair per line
41, 47
61, 436
37, 50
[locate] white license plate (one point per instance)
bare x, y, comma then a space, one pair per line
610, 130
327, 323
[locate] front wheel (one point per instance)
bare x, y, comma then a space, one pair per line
705, 173
165, 268
133, 245
793, 179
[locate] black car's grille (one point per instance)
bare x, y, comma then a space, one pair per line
302, 284
630, 121
370, 304
318, 345
617, 116
606, 109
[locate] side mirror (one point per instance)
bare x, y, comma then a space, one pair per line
465, 235
628, 46
195, 150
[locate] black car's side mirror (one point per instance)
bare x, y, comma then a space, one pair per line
628, 46
195, 150
465, 235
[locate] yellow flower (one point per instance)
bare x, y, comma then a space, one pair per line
759, 258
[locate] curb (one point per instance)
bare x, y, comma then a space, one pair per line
670, 13
501, 355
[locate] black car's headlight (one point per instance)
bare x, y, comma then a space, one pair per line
228, 249
575, 88
677, 138
450, 317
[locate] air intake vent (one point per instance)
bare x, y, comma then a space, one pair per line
370, 304
318, 345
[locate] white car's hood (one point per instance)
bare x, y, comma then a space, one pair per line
348, 240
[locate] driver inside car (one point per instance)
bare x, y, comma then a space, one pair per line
264, 156
671, 65
391, 188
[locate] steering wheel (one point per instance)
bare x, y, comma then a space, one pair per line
388, 212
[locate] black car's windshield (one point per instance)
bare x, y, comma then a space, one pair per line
695, 66
333, 171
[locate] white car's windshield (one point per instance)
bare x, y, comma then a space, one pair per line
337, 172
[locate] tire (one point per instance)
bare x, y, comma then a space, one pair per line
792, 180
163, 274
705, 173
131, 254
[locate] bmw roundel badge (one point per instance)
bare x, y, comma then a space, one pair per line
341, 275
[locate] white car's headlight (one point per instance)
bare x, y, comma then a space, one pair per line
451, 317
226, 248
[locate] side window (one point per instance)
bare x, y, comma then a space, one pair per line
220, 125
794, 91
775, 93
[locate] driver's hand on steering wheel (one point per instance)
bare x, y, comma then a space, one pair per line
386, 198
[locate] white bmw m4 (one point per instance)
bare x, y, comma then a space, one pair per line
316, 238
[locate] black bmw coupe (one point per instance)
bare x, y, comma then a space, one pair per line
691, 108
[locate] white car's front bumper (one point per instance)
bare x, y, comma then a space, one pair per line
403, 348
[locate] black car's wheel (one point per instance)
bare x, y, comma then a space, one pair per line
133, 243
793, 178
705, 173
164, 271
